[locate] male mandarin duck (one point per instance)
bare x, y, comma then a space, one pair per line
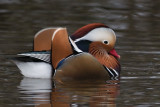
90, 56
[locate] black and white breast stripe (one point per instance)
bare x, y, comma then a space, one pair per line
74, 46
112, 72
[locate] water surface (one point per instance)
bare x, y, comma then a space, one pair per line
136, 23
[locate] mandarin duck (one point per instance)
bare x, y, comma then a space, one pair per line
90, 56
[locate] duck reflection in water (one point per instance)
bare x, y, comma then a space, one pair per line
45, 93
35, 91
86, 93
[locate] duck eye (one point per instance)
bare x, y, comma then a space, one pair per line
105, 42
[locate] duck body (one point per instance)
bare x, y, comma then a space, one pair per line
79, 57
81, 66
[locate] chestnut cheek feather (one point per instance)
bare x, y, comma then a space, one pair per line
103, 57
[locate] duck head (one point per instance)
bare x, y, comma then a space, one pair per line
99, 40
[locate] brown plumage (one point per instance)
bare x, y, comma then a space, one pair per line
100, 52
42, 40
61, 47
82, 66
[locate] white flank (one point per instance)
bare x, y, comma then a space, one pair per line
35, 69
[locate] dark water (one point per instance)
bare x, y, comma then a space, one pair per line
137, 25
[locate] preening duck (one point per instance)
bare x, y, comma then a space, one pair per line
87, 54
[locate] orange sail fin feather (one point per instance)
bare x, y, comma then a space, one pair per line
61, 47
42, 40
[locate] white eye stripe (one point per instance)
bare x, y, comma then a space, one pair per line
102, 33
